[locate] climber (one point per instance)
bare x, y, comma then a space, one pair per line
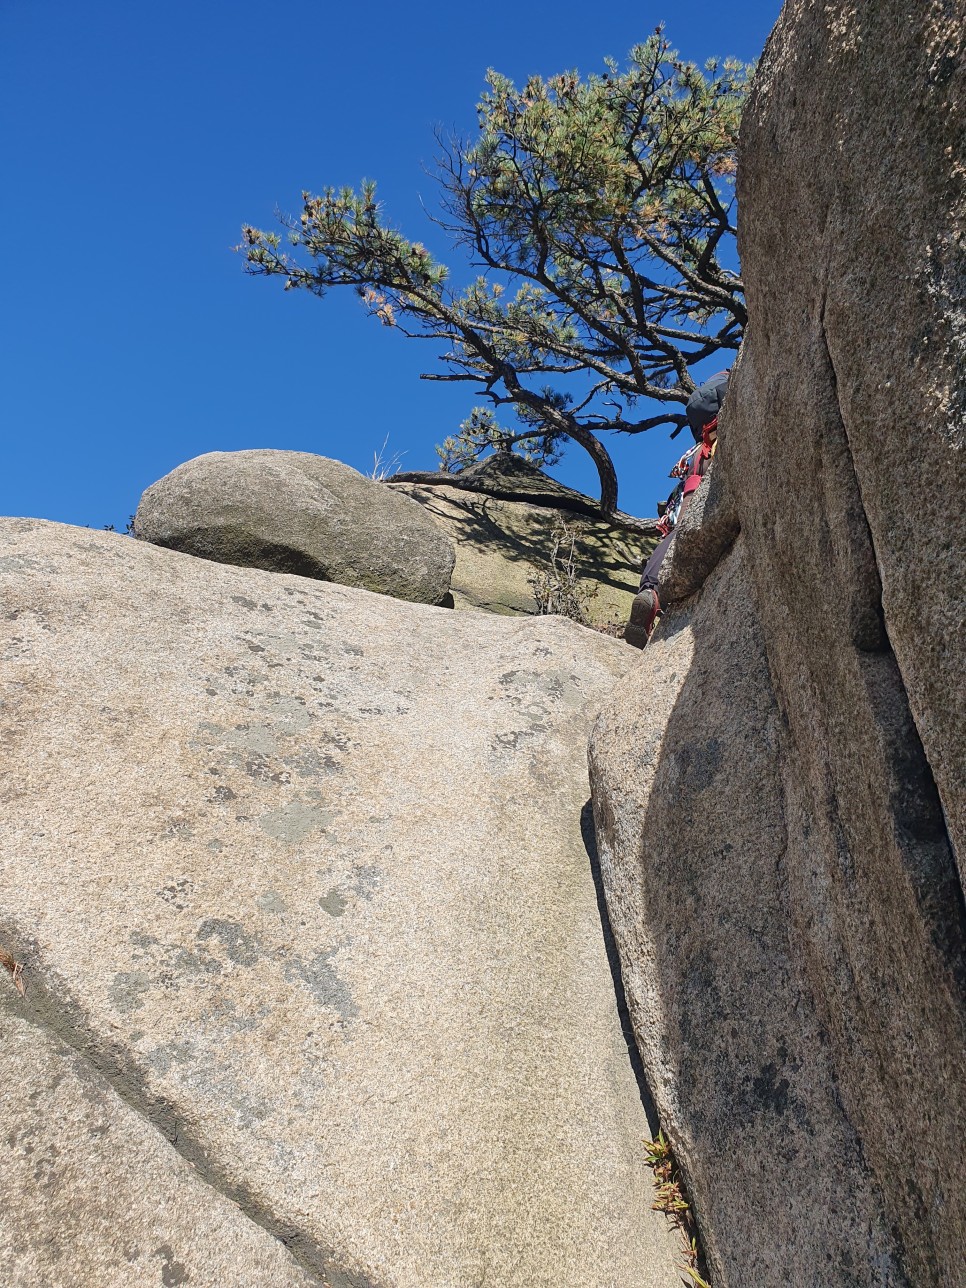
702, 413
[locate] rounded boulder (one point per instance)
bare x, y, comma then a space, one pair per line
299, 513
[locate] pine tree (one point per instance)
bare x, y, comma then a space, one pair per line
601, 212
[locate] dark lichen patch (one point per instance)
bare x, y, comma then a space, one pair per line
324, 983
127, 990
173, 1272
240, 947
14, 648
313, 762
177, 893
533, 695
245, 603
261, 769
26, 563
162, 1058
171, 965
366, 879
31, 617
224, 1015
511, 739
770, 1089
248, 1112
334, 902
362, 882
47, 1175
698, 764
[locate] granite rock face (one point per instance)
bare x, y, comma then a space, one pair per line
854, 377
778, 785
705, 530
94, 1194
298, 513
686, 771
504, 517
298, 872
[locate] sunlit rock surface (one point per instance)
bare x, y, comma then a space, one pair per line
297, 871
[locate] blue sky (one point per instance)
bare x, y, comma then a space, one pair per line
137, 140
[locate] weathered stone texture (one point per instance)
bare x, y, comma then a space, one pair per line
853, 389
797, 948
299, 870
93, 1194
685, 766
298, 513
707, 527
504, 516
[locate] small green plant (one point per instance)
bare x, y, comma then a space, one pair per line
128, 527
556, 587
671, 1199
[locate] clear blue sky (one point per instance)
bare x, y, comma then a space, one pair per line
137, 140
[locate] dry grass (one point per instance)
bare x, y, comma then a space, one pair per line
16, 971
557, 587
670, 1199
384, 467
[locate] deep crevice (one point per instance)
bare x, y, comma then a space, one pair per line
920, 820
869, 633
589, 834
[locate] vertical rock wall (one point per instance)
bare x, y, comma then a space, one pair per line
779, 786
